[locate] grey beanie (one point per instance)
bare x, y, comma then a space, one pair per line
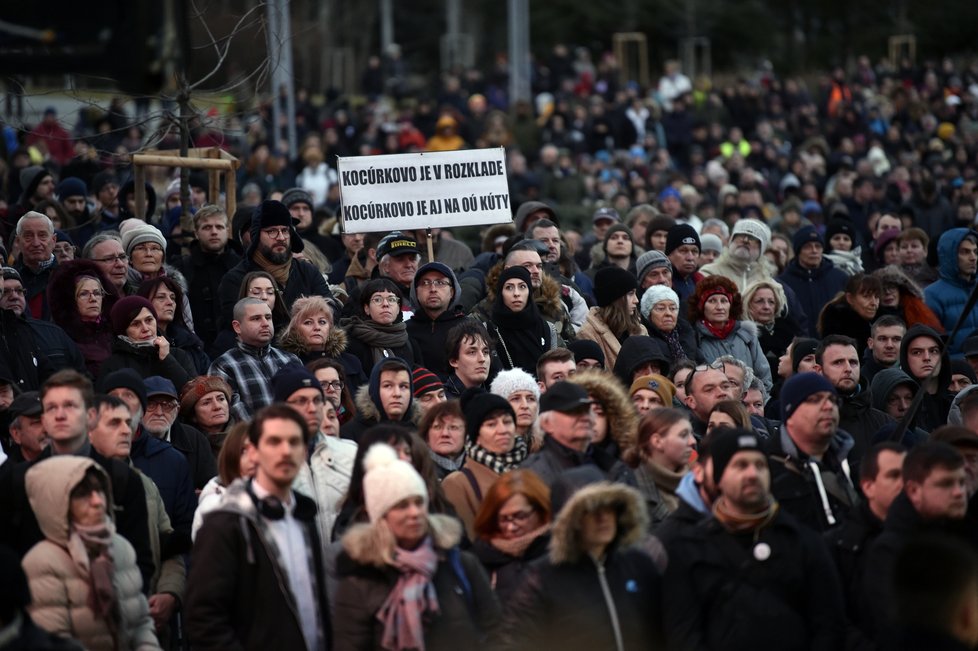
649, 261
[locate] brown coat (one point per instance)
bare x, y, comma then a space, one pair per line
459, 492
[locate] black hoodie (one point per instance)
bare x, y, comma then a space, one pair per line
933, 407
638, 350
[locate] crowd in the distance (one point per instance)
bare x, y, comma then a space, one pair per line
737, 409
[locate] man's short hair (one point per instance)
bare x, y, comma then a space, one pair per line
886, 321
274, 412
870, 466
210, 210
932, 576
466, 329
560, 355
34, 215
239, 307
756, 385
540, 223
719, 223
923, 458
107, 401
70, 378
833, 340
748, 371
96, 240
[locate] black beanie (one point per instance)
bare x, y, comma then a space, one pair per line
803, 348
611, 283
839, 225
680, 235
804, 235
477, 404
726, 444
273, 213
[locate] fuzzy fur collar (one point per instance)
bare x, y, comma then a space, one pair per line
565, 544
368, 544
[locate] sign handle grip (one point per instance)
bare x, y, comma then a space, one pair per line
431, 244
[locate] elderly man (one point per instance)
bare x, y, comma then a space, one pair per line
35, 237
26, 430
106, 250
743, 260
435, 294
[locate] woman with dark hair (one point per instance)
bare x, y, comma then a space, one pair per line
521, 333
853, 310
378, 331
233, 462
660, 458
729, 413
332, 378
311, 335
443, 428
716, 309
512, 529
616, 316
81, 296
167, 296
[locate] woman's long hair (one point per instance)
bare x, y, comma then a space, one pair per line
229, 458
657, 421
280, 313
148, 288
619, 320
735, 410
346, 396
289, 338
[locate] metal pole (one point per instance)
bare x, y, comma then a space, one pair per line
288, 73
271, 31
386, 25
519, 50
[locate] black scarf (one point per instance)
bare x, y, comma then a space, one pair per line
521, 336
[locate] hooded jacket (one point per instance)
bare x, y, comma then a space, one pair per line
948, 296
573, 602
335, 348
741, 272
742, 343
548, 297
369, 411
94, 340
859, 417
813, 288
934, 408
618, 408
637, 351
59, 587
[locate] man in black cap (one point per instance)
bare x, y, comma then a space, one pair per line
751, 576
567, 420
273, 241
683, 251
397, 257
26, 431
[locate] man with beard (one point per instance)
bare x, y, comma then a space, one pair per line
752, 576
73, 195
743, 259
273, 241
837, 360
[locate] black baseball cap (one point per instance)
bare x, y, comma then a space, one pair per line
565, 397
26, 404
397, 243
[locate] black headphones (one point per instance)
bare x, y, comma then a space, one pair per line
269, 507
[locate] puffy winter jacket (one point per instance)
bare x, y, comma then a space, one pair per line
742, 343
947, 297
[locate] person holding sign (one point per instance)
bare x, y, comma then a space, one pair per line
521, 334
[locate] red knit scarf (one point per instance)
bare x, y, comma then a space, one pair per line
721, 332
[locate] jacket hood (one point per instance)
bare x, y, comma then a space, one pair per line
565, 544
944, 375
947, 254
893, 275
369, 412
369, 544
61, 293
128, 189
638, 350
444, 270
622, 418
49, 484
886, 381
528, 207
954, 416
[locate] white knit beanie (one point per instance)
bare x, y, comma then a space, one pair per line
388, 480
755, 229
656, 294
516, 379
138, 233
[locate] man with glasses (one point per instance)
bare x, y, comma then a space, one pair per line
274, 241
105, 250
705, 387
811, 468
435, 294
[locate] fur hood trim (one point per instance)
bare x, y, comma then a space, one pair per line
370, 544
606, 389
61, 293
367, 410
893, 275
565, 544
335, 343
547, 297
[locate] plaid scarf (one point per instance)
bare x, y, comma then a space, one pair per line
498, 463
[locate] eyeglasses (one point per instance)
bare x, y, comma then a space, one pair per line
335, 385
276, 233
515, 518
715, 366
305, 402
434, 283
148, 248
381, 300
161, 405
86, 294
122, 257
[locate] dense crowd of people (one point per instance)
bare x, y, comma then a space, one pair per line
713, 387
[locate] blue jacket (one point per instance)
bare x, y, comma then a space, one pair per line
814, 288
170, 471
947, 296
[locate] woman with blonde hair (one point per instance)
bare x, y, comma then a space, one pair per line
312, 334
767, 306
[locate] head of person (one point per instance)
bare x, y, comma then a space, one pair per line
840, 235
651, 392
252, 322
881, 476
111, 433
729, 414
886, 248
235, 459
299, 202
297, 387
749, 238
553, 366
390, 389
526, 254
26, 428
670, 201
810, 411
922, 351
886, 335
799, 357
69, 492
332, 378
935, 481
566, 415
968, 256
166, 295
145, 246
545, 231
211, 228
531, 212
705, 387
711, 246
683, 249
127, 385
134, 317
443, 428
715, 301
893, 391
205, 403
13, 295
434, 289
887, 222
162, 406
428, 389
862, 294
657, 233
514, 289
522, 392
615, 291
962, 376
682, 370
517, 504
67, 401
279, 439
602, 220
807, 244
106, 250
273, 235
35, 237
653, 268
260, 285
490, 422
738, 373
618, 243
665, 438
64, 249
468, 350
837, 358
756, 398
90, 296
913, 247
398, 256
380, 302
964, 441
587, 354
396, 500
73, 195
310, 327
740, 471
765, 301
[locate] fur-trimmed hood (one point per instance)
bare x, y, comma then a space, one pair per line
605, 388
547, 297
335, 343
368, 544
61, 293
893, 275
565, 543
368, 411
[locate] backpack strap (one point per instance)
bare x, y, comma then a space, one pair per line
475, 485
455, 560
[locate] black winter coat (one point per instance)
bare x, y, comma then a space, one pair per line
429, 338
858, 417
722, 596
194, 445
304, 280
553, 458
813, 287
177, 367
204, 272
507, 573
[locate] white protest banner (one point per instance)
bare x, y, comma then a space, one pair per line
425, 190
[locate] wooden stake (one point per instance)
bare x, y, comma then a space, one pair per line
431, 245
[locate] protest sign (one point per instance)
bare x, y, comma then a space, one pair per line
424, 190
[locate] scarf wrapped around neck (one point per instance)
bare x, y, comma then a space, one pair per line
516, 547
498, 463
739, 523
280, 272
721, 332
402, 613
676, 345
377, 336
90, 547
449, 464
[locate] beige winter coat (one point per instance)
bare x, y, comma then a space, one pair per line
58, 586
596, 330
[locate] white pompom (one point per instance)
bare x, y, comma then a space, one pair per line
379, 455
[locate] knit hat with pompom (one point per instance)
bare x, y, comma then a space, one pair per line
388, 480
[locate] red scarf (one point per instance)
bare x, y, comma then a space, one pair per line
721, 332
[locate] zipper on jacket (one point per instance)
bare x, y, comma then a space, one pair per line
610, 603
